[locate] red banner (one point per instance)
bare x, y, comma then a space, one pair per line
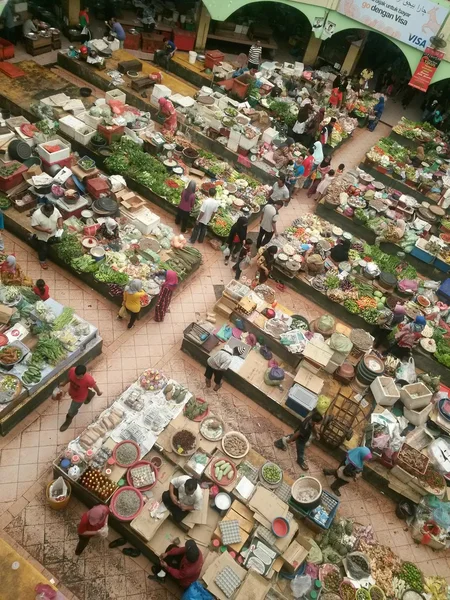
426, 68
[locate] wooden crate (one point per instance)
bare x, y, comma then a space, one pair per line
151, 42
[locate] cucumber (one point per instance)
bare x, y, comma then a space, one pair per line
219, 477
217, 471
220, 463
231, 475
227, 469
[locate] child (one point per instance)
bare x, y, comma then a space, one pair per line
41, 289
296, 171
243, 259
341, 169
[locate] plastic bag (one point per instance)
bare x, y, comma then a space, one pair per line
57, 393
407, 371
58, 490
196, 592
46, 592
301, 585
226, 252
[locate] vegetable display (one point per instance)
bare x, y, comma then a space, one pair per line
194, 408
224, 471
64, 319
9, 355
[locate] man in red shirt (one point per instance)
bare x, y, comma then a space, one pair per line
183, 564
82, 388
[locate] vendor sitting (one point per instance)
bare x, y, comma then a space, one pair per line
11, 273
184, 495
109, 229
31, 25
182, 563
339, 253
162, 57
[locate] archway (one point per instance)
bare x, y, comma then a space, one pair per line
279, 26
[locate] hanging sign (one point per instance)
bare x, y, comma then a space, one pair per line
410, 21
426, 69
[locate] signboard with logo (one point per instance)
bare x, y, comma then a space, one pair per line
426, 69
410, 21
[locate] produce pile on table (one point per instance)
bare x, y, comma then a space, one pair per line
418, 131
364, 105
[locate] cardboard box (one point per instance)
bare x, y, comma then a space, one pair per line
198, 517
296, 553
308, 380
318, 352
6, 312
222, 561
267, 504
255, 587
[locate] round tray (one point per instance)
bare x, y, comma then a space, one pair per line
121, 444
209, 438
224, 482
201, 417
112, 504
270, 482
189, 452
22, 355
141, 463
18, 391
242, 437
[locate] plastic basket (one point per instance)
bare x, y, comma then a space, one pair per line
196, 334
331, 504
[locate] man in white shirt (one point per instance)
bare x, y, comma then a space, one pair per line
254, 56
184, 495
269, 218
280, 190
207, 211
46, 221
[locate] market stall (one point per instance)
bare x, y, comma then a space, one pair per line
40, 342
396, 222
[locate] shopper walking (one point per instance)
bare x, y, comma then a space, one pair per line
218, 363
167, 110
350, 469
318, 175
165, 295
280, 191
94, 523
187, 203
236, 238
244, 259
265, 262
375, 117
301, 437
207, 211
83, 20
325, 182
82, 388
268, 224
254, 56
132, 301
46, 221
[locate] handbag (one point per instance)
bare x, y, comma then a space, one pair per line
276, 374
265, 352
123, 311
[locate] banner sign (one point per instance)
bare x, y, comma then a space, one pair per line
426, 69
410, 21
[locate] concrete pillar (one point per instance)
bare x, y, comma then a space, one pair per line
312, 50
353, 54
71, 9
202, 29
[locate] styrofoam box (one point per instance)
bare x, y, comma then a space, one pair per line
52, 157
269, 135
85, 138
248, 144
384, 390
415, 395
70, 125
232, 145
143, 219
115, 95
90, 119
161, 91
418, 417
235, 135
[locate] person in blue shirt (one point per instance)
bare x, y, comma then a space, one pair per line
295, 170
163, 56
117, 30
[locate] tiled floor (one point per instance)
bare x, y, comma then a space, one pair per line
26, 453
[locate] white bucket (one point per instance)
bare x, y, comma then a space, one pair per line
182, 18
175, 16
192, 57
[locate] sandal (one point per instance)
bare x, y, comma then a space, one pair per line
131, 552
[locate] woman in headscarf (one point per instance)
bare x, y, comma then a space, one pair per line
339, 252
186, 205
283, 154
165, 295
407, 337
319, 174
93, 523
265, 262
327, 130
132, 300
167, 109
238, 235
109, 229
11, 273
302, 118
350, 469
395, 319
377, 112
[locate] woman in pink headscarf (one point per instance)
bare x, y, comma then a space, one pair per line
165, 295
94, 522
168, 110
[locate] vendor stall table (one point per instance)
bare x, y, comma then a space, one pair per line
101, 80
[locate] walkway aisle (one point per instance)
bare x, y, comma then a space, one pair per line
27, 452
